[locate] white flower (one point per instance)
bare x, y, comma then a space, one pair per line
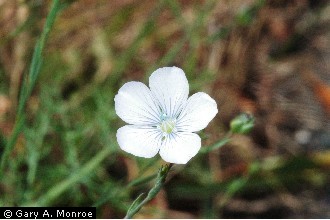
162, 119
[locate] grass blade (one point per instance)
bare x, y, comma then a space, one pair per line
29, 83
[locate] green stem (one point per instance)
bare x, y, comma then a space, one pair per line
139, 203
217, 145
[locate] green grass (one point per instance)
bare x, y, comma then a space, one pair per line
29, 83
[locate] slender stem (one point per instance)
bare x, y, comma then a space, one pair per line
138, 204
217, 145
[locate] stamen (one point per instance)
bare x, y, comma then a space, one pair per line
167, 125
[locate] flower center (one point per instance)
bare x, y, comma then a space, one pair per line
167, 125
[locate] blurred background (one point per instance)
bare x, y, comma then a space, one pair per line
268, 58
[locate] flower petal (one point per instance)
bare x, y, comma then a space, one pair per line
198, 112
170, 87
135, 105
180, 147
139, 141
